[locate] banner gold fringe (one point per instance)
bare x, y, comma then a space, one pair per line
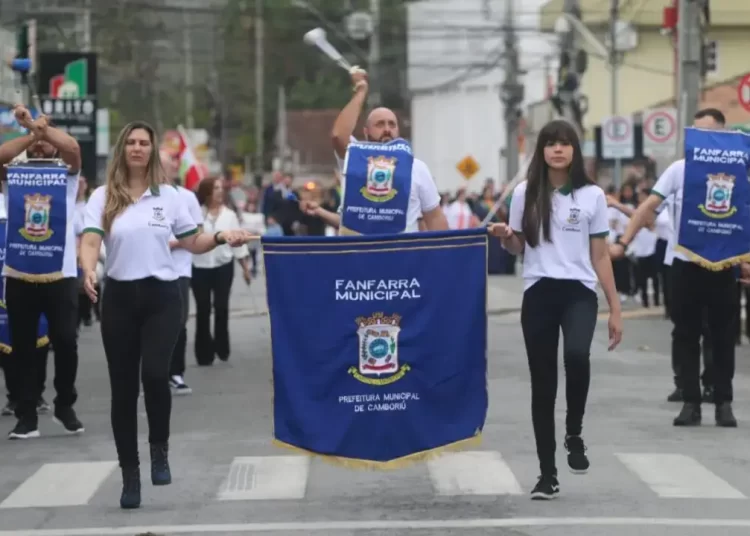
345, 231
5, 349
34, 278
398, 463
713, 266
40, 343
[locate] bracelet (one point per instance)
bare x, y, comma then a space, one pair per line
219, 241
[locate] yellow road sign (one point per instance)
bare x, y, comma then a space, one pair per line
468, 167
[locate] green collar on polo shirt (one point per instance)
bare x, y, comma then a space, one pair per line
565, 189
154, 190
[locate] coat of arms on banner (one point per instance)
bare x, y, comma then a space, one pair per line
378, 350
36, 227
379, 187
719, 196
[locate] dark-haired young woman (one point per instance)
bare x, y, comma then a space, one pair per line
558, 219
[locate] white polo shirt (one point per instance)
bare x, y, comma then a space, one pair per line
423, 197
576, 217
183, 259
138, 243
670, 185
70, 253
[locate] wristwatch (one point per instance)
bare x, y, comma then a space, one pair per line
219, 241
619, 242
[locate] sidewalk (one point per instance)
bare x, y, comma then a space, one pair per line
504, 296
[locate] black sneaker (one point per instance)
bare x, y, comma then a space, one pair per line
179, 387
66, 417
9, 410
131, 488
42, 406
577, 460
161, 475
546, 489
690, 415
25, 429
675, 396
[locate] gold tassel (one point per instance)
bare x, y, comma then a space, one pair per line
713, 266
4, 348
34, 278
344, 231
390, 465
42, 341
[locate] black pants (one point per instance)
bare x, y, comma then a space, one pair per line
26, 302
548, 306
621, 269
12, 383
140, 324
665, 274
707, 378
697, 291
208, 283
177, 367
647, 269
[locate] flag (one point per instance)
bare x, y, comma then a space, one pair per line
190, 171
714, 230
379, 344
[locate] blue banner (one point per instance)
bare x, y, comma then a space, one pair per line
5, 344
37, 221
379, 344
377, 187
715, 220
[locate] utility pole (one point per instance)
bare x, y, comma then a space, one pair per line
614, 65
690, 47
259, 96
512, 92
188, 63
373, 64
87, 26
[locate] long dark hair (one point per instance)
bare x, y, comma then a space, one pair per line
538, 202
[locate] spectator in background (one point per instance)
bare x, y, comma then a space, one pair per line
310, 225
459, 213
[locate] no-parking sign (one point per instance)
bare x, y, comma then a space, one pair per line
618, 140
660, 132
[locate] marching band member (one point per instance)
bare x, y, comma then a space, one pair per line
54, 296
136, 214
696, 291
558, 220
406, 196
183, 260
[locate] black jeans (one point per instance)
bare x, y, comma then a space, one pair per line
205, 283
665, 272
696, 292
26, 302
177, 367
12, 383
140, 323
548, 306
645, 269
707, 378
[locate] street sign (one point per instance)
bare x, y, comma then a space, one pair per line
660, 132
618, 140
743, 92
468, 167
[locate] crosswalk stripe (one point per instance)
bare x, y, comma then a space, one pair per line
60, 484
266, 478
675, 476
472, 473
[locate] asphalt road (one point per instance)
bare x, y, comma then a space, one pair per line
647, 477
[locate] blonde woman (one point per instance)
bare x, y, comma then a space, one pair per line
135, 214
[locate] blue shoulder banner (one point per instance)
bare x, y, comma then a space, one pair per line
37, 221
379, 344
715, 219
5, 344
377, 186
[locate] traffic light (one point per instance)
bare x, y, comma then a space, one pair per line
709, 63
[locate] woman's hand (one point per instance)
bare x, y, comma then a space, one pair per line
89, 285
615, 329
236, 237
500, 230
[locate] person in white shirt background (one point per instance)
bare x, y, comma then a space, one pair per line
558, 220
459, 213
183, 260
85, 306
643, 249
254, 223
213, 275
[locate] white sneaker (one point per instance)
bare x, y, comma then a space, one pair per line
179, 387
